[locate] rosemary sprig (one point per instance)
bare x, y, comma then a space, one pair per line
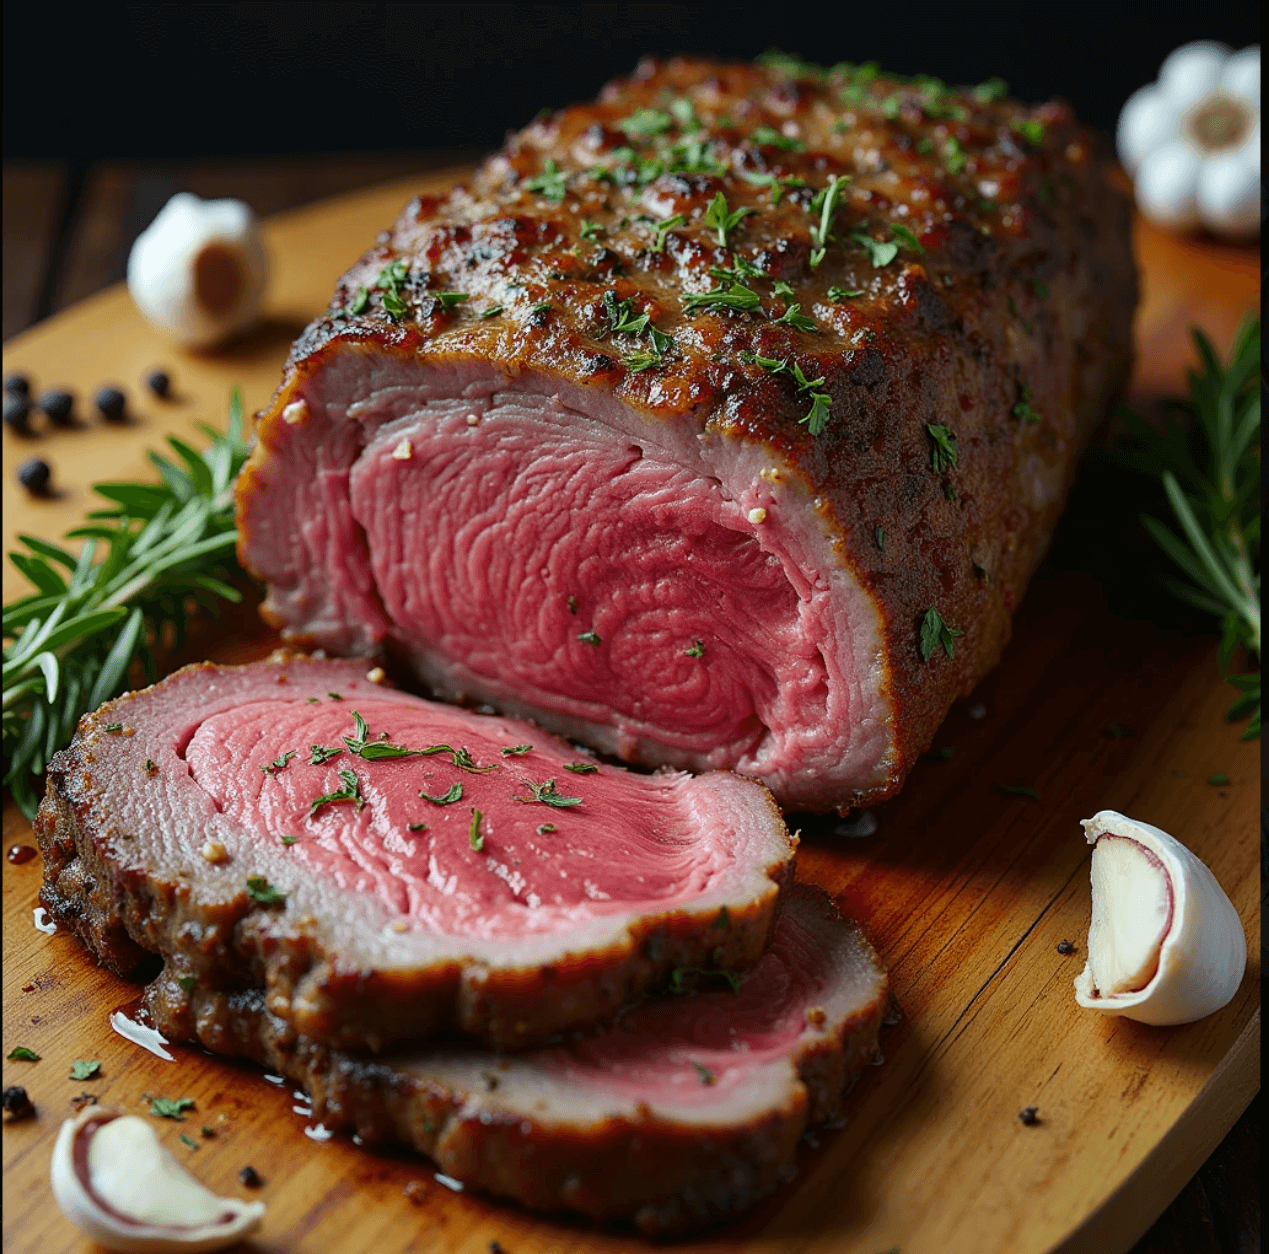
70, 644
1207, 457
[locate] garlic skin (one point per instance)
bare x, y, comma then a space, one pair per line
1191, 141
159, 1208
198, 271
1165, 944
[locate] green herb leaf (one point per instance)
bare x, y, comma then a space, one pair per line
187, 1142
492, 312
544, 829
622, 319
1218, 780
880, 536
279, 762
794, 318
646, 122
942, 447
825, 204
1030, 129
839, 294
20, 1053
771, 138
264, 892
816, 418
394, 305
589, 637
663, 228
516, 751
84, 1068
551, 184
417, 827
475, 837
880, 254
322, 753
729, 296
705, 1075
581, 768
1024, 409
590, 230
935, 632
697, 649
359, 301
449, 300
334, 696
186, 982
455, 793
954, 156
351, 791
906, 237
720, 220
547, 795
992, 89
169, 1108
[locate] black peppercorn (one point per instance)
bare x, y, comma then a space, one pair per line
17, 411
1065, 947
250, 1177
1030, 1115
110, 404
58, 405
34, 475
17, 1105
17, 385
158, 382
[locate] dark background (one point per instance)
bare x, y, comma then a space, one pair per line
151, 81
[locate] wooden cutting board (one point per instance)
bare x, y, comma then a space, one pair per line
965, 889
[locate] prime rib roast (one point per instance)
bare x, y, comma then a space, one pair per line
380, 868
718, 423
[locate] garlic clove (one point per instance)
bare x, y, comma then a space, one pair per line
1229, 195
1241, 76
1166, 184
1146, 122
1193, 71
1165, 944
199, 270
115, 1181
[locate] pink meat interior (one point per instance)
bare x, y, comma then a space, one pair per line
633, 841
590, 577
675, 1050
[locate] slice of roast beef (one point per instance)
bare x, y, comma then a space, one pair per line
256, 827
719, 423
683, 1113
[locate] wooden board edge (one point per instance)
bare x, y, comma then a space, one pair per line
1127, 1214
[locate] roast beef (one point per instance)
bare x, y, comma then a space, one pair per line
258, 828
719, 423
686, 1111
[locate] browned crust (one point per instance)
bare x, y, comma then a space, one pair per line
667, 1179
98, 887
1030, 295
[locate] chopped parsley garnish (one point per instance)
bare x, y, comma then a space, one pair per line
581, 768
417, 827
547, 795
455, 793
772, 138
680, 974
186, 982
925, 146
663, 228
264, 892
516, 751
906, 238
475, 837
359, 301
704, 1073
449, 300
322, 753
954, 156
795, 318
1041, 289
543, 306
621, 316
821, 402
279, 762
545, 829
551, 184
84, 1068
992, 89
114, 727
351, 791
879, 253
935, 632
1030, 129
1218, 780
149, 767
288, 841
730, 296
187, 1142
697, 649
394, 305
880, 536
492, 312
1015, 790
646, 122
825, 203
590, 230
720, 220
169, 1108
20, 1053
589, 637
571, 602
1024, 409
685, 114
335, 696
942, 447
839, 294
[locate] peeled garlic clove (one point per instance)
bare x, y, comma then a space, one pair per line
198, 271
116, 1182
1165, 944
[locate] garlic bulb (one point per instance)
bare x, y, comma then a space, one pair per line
1191, 140
1165, 944
115, 1182
198, 271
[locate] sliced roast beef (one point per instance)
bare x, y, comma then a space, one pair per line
683, 1113
383, 867
719, 423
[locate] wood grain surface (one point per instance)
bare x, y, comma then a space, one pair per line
965, 890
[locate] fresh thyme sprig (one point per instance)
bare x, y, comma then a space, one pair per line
1207, 457
70, 644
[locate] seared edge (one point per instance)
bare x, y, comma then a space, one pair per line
211, 933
